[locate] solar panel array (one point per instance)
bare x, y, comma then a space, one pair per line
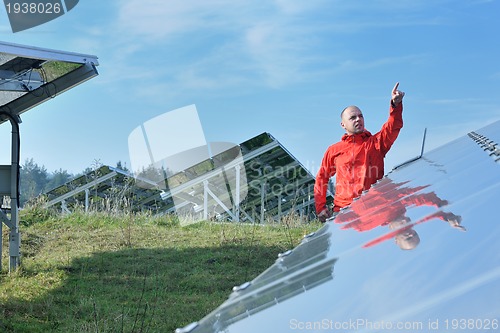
273, 183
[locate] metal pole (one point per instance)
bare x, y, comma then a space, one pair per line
279, 207
262, 197
238, 192
1, 244
14, 235
87, 194
205, 200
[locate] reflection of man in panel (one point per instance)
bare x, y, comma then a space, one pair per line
358, 159
388, 208
407, 238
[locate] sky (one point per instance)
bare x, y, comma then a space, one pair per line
277, 66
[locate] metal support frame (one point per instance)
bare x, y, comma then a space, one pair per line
48, 91
208, 192
64, 208
235, 216
26, 92
85, 188
238, 192
262, 200
13, 222
87, 199
29, 80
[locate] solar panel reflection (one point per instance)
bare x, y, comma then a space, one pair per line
170, 151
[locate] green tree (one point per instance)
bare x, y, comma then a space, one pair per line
33, 179
121, 166
58, 178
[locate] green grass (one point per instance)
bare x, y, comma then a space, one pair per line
99, 272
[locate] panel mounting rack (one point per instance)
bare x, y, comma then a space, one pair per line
29, 76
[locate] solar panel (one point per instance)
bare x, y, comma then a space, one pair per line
364, 271
105, 187
30, 76
272, 183
253, 181
275, 183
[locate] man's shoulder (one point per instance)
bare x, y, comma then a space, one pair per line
336, 146
336, 149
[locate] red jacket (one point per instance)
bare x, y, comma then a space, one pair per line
380, 208
358, 162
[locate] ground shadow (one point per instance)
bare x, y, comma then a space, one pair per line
139, 290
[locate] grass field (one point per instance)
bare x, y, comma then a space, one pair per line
100, 272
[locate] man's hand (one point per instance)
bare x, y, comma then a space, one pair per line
455, 223
397, 96
325, 214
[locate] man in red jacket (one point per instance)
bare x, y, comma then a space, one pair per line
358, 159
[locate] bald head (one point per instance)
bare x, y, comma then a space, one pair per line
407, 240
350, 107
351, 119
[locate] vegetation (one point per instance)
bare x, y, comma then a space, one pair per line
55, 69
118, 272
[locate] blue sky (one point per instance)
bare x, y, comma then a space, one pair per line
277, 66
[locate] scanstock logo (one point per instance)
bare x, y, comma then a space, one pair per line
31, 13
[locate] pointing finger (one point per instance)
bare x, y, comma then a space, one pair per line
395, 88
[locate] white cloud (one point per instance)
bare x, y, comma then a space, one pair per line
157, 19
217, 44
278, 52
243, 42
